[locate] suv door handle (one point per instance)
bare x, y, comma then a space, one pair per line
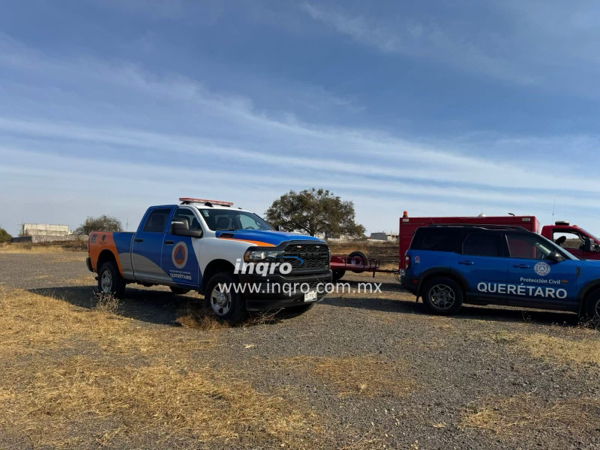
139, 240
169, 242
521, 266
466, 263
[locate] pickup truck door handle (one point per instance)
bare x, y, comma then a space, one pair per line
139, 240
169, 242
466, 263
521, 266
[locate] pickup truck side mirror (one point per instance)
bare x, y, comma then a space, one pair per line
587, 244
182, 229
556, 257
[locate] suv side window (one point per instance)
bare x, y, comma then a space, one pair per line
156, 221
438, 240
183, 214
527, 247
483, 244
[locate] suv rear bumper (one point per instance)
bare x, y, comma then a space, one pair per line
279, 291
411, 284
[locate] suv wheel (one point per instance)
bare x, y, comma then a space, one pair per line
593, 306
227, 306
442, 296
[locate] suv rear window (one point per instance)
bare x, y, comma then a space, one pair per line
438, 239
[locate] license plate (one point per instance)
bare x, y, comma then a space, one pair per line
310, 296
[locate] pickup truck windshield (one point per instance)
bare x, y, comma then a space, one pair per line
230, 220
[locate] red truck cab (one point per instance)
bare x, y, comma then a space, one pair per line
574, 239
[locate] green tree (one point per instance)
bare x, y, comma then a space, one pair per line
314, 211
102, 223
4, 236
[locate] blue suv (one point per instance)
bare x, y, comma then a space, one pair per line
448, 265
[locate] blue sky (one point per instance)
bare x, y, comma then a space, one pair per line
438, 108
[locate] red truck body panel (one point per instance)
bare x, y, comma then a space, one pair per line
408, 226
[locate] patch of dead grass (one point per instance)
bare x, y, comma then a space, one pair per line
505, 416
74, 377
357, 375
58, 399
199, 317
582, 346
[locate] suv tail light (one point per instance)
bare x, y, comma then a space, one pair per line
406, 262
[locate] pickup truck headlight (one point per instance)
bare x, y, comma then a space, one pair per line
262, 255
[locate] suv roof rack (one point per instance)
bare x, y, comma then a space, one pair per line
482, 226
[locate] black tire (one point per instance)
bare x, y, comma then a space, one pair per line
110, 281
592, 306
337, 274
442, 296
179, 290
233, 308
357, 257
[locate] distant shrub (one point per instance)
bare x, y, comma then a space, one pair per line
4, 236
102, 223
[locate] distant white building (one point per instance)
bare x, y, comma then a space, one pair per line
44, 229
382, 236
44, 232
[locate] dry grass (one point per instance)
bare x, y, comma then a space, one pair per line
358, 375
582, 346
106, 304
198, 316
74, 377
28, 248
523, 412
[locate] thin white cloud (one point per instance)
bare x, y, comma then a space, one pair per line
419, 40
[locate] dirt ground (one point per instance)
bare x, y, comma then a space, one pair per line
356, 371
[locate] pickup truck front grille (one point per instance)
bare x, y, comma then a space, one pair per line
307, 257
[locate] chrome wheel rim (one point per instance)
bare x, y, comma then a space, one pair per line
220, 301
442, 296
106, 282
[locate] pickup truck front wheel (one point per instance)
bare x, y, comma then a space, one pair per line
222, 299
110, 281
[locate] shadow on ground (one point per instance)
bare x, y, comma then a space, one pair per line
467, 312
147, 305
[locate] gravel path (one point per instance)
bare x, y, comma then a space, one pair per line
379, 372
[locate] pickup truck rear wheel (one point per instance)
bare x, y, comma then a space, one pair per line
442, 296
178, 290
222, 299
110, 281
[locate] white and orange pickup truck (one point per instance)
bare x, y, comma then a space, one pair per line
231, 256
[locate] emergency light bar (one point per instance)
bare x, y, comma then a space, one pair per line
185, 200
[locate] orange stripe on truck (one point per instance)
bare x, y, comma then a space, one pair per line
257, 243
102, 241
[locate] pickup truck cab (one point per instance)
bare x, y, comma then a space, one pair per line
448, 265
231, 256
